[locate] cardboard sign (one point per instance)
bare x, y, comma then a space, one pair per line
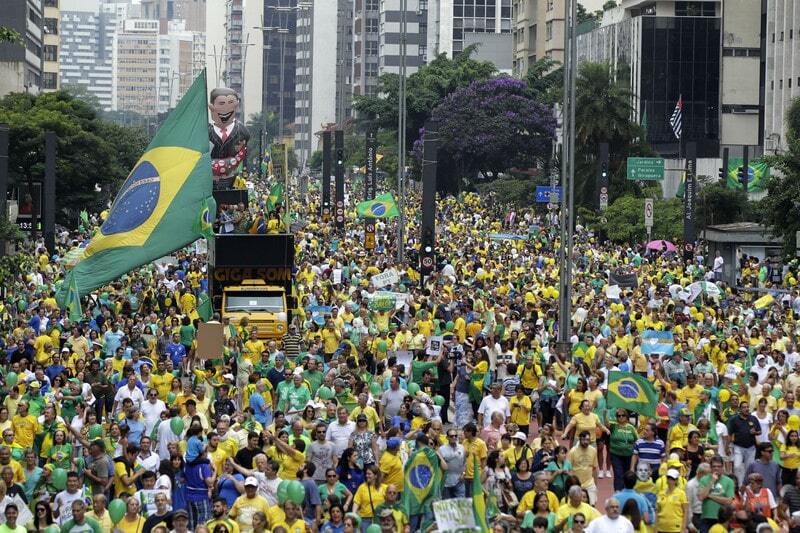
210, 340
434, 345
382, 301
404, 357
388, 277
613, 292
455, 514
337, 276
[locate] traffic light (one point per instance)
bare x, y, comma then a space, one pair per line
740, 173
721, 173
340, 157
604, 171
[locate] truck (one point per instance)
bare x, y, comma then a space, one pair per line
252, 276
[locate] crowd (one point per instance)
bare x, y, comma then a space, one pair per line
110, 423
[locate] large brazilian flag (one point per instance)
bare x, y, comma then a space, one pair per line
157, 208
631, 391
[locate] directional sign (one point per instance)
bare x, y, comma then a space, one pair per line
648, 213
645, 169
545, 194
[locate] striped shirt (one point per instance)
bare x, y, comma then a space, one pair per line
649, 452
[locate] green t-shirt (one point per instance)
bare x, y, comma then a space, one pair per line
314, 379
419, 367
723, 487
187, 335
90, 525
623, 437
338, 491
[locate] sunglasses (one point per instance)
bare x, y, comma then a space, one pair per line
579, 521
331, 475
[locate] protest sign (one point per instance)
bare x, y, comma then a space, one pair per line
210, 340
454, 514
434, 345
387, 277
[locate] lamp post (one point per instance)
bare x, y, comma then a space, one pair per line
401, 136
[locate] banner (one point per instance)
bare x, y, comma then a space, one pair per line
613, 292
628, 281
387, 277
453, 515
758, 174
382, 301
508, 237
657, 342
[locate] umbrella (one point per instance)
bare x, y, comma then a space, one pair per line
659, 245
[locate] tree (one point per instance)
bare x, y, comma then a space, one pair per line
91, 152
9, 35
717, 204
545, 80
781, 206
625, 218
603, 115
492, 126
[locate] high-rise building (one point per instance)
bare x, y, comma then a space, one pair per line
181, 58
279, 61
673, 50
21, 62
237, 52
449, 20
87, 41
781, 20
323, 83
366, 23
135, 67
51, 25
192, 12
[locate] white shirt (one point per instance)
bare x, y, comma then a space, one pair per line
165, 436
151, 462
151, 412
228, 129
718, 262
64, 502
605, 524
135, 395
490, 405
339, 435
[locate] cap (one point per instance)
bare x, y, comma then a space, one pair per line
65, 349
673, 473
361, 418
520, 435
393, 443
227, 376
387, 513
35, 385
760, 356
684, 412
251, 482
673, 463
180, 513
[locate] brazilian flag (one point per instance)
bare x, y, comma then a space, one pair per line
156, 210
631, 391
478, 499
205, 219
422, 483
383, 206
758, 173
681, 186
74, 303
275, 197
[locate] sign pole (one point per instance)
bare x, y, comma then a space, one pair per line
648, 216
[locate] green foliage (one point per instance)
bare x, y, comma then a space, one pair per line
626, 220
12, 265
717, 204
781, 207
258, 122
545, 80
90, 151
9, 35
519, 192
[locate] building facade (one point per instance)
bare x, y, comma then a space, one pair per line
279, 62
782, 68
449, 20
51, 25
21, 63
366, 41
134, 85
191, 12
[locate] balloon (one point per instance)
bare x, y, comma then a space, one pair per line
297, 492
59, 478
325, 393
171, 398
176, 425
449, 327
438, 400
374, 528
724, 395
374, 388
794, 422
116, 510
283, 492
11, 379
413, 389
382, 346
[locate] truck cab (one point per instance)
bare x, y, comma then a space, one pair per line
265, 306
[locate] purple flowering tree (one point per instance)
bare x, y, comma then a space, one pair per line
492, 126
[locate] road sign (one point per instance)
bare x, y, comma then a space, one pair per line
545, 194
603, 200
645, 169
369, 234
648, 213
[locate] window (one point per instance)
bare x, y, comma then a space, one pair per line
50, 80
34, 17
550, 5
548, 30
772, 85
372, 25
780, 84
51, 26
371, 48
790, 83
694, 9
50, 52
372, 5
50, 3
781, 37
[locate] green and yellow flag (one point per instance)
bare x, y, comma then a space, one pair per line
74, 303
423, 479
478, 500
631, 391
204, 224
204, 308
156, 209
275, 197
383, 206
681, 186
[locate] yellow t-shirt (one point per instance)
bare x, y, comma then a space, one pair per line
793, 462
526, 503
25, 430
588, 423
244, 508
369, 412
584, 461
670, 510
392, 470
290, 462
521, 415
134, 526
299, 526
366, 506
568, 511
475, 448
119, 487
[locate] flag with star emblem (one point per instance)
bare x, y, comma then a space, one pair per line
156, 210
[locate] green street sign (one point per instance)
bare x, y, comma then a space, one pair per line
645, 169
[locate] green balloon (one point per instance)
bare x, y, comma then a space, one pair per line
374, 528
449, 326
176, 425
382, 346
59, 478
283, 492
438, 400
325, 393
297, 492
374, 388
116, 510
11, 379
171, 397
413, 389
96, 431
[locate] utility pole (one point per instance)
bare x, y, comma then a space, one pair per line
401, 136
3, 178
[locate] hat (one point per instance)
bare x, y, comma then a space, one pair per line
180, 513
65, 349
673, 473
743, 349
520, 435
280, 357
34, 384
227, 376
251, 482
684, 412
393, 443
361, 418
760, 357
387, 513
674, 463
